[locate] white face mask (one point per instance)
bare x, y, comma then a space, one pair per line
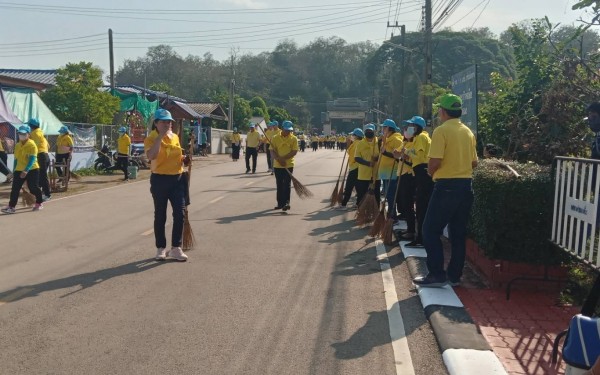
23, 137
410, 131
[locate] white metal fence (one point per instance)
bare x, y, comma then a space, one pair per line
576, 201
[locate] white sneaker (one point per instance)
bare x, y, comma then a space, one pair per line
9, 210
177, 254
38, 207
161, 253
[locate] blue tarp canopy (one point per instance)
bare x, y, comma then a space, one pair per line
26, 104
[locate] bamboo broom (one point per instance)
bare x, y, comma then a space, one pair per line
379, 222
334, 194
368, 208
27, 198
388, 228
340, 195
301, 190
189, 240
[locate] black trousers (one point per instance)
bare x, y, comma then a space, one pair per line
251, 152
44, 161
302, 145
269, 161
284, 185
61, 159
4, 166
362, 186
123, 164
315, 145
167, 189
32, 178
423, 190
406, 200
235, 151
351, 180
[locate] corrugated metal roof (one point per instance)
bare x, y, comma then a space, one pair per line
213, 110
140, 90
46, 77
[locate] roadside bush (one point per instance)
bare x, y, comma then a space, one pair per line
511, 217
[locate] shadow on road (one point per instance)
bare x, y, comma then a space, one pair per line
250, 216
84, 280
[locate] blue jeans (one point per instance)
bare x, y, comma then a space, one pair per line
450, 204
389, 196
165, 189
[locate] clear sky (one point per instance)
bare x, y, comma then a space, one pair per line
39, 34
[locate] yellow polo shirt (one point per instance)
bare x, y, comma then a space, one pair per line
419, 151
64, 143
454, 143
236, 138
352, 164
123, 143
388, 166
270, 134
22, 154
1, 145
368, 151
314, 138
283, 146
252, 139
37, 135
406, 169
169, 159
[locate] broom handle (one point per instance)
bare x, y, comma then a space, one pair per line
373, 177
342, 166
399, 177
275, 152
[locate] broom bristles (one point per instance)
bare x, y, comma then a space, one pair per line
387, 232
189, 241
28, 198
75, 176
301, 190
378, 224
367, 211
334, 195
340, 195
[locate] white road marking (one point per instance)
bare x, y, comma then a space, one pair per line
403, 360
216, 200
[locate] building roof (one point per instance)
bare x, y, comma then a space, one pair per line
140, 90
45, 77
212, 110
347, 104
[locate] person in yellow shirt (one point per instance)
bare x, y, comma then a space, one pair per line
252, 141
43, 159
272, 131
314, 142
123, 145
342, 142
406, 193
283, 149
167, 184
64, 147
26, 168
236, 144
452, 157
366, 155
419, 156
388, 166
4, 161
302, 140
357, 136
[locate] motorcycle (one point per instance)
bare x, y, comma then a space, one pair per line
104, 162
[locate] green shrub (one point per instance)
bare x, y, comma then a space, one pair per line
511, 217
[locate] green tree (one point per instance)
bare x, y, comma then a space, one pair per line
259, 107
161, 87
280, 115
76, 96
241, 109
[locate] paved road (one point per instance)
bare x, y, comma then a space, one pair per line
264, 292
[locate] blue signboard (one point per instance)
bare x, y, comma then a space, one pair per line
464, 84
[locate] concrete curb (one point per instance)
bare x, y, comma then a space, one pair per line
464, 349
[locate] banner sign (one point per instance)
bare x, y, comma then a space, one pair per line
464, 84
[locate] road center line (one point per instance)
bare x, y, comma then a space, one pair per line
403, 360
216, 199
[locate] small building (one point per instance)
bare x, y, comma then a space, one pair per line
345, 114
36, 79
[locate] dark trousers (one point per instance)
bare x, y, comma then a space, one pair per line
235, 151
44, 161
284, 185
314, 145
61, 159
389, 188
423, 189
269, 161
123, 164
450, 204
351, 180
406, 200
4, 166
362, 186
165, 189
251, 152
32, 178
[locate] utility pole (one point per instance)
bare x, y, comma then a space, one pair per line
112, 60
231, 93
427, 79
402, 68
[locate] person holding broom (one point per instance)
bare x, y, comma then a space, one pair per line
167, 184
26, 168
388, 168
283, 149
64, 147
123, 146
43, 159
366, 155
357, 136
452, 157
4, 162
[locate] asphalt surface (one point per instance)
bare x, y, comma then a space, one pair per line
263, 292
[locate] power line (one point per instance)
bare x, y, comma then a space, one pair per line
480, 13
53, 41
469, 12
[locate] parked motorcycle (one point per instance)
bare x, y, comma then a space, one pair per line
105, 160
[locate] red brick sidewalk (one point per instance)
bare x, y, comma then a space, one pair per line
521, 330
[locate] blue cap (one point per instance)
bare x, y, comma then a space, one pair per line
275, 123
33, 122
252, 125
287, 125
389, 123
63, 130
234, 129
24, 129
122, 129
416, 120
358, 132
370, 127
163, 114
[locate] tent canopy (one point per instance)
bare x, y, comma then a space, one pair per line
136, 102
26, 104
6, 114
